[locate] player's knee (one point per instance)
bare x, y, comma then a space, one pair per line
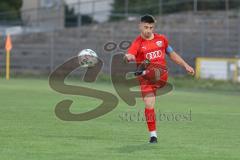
149, 103
149, 100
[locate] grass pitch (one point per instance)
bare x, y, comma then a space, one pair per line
29, 129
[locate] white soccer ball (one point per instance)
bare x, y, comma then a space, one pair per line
87, 58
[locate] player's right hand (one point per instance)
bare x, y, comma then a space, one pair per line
129, 57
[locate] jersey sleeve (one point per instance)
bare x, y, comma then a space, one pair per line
168, 48
134, 47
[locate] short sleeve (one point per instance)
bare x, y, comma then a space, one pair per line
166, 42
134, 47
168, 48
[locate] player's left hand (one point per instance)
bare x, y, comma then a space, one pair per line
189, 69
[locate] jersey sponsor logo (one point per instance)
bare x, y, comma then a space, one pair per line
153, 55
159, 43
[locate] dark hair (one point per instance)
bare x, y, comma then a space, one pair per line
148, 18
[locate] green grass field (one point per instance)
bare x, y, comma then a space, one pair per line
29, 129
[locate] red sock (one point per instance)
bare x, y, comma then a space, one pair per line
150, 119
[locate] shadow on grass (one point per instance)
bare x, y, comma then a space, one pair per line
135, 148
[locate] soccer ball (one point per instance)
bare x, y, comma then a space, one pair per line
87, 58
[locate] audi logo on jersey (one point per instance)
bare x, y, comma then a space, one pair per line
153, 55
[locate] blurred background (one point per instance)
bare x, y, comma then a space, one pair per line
45, 33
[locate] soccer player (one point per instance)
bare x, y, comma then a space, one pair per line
153, 47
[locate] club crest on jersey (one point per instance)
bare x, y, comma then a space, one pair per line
159, 43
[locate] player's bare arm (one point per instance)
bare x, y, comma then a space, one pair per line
178, 60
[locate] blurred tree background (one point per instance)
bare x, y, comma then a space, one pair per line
73, 19
10, 10
155, 7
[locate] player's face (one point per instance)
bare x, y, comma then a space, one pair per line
146, 29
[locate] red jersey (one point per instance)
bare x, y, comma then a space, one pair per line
153, 50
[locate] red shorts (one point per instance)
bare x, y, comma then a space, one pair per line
147, 85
